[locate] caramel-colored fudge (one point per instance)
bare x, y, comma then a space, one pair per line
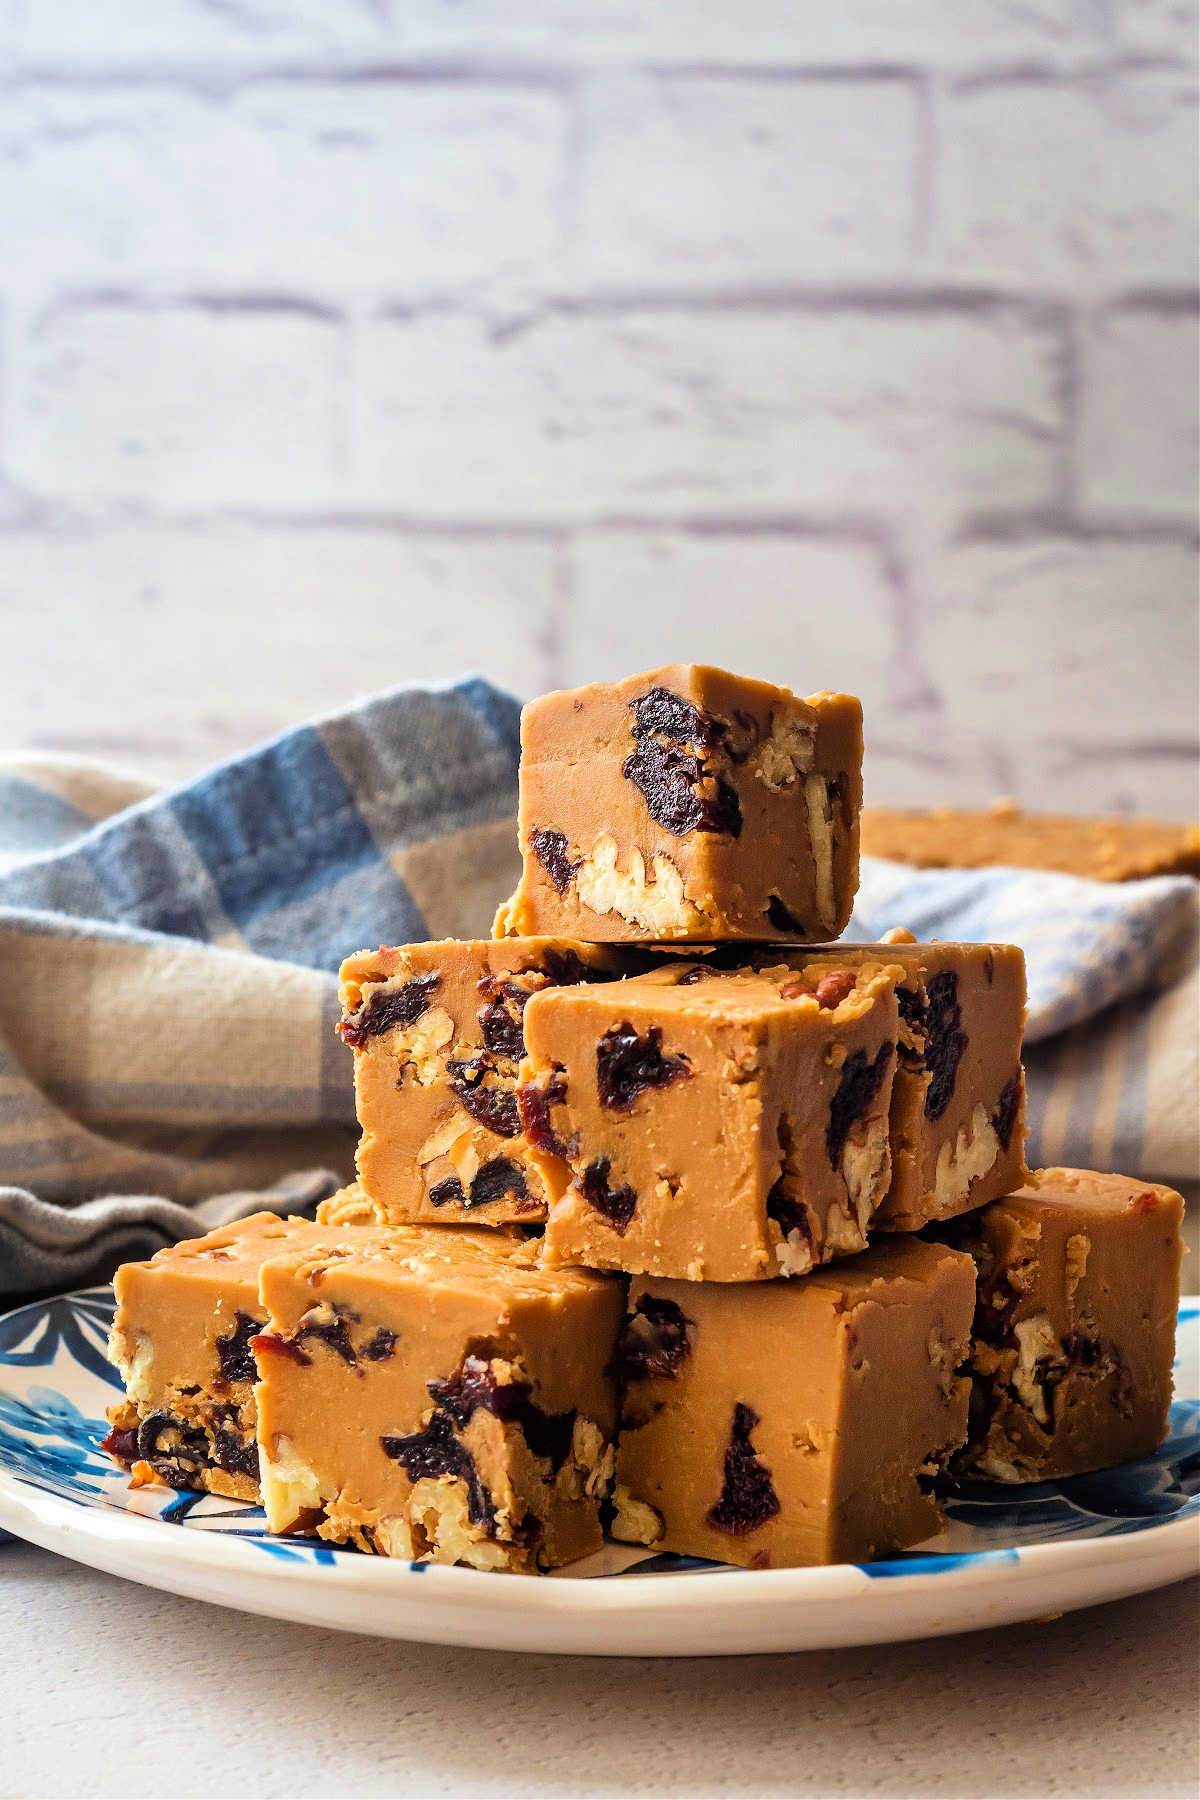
714, 1125
1101, 849
958, 1098
1074, 1332
429, 1393
794, 1422
690, 804
436, 1032
181, 1340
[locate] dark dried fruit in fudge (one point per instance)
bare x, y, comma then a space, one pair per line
493, 1180
945, 1041
501, 1019
333, 1332
788, 1214
235, 1455
833, 988
379, 1346
681, 792
534, 1101
654, 1342
186, 1443
566, 968
748, 1498
386, 1008
235, 1359
627, 1064
690, 977
1005, 1115
490, 1106
780, 919
915, 1015
614, 1204
475, 1387
434, 1451
121, 1442
989, 968
550, 848
860, 1081
661, 713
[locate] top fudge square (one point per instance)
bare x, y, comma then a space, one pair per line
687, 804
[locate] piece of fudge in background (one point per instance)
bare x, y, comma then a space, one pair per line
429, 1393
717, 1125
436, 1032
1004, 835
958, 1099
1074, 1333
687, 803
181, 1341
794, 1422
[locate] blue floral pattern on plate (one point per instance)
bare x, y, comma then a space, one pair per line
55, 1382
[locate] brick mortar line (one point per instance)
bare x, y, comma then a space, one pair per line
60, 518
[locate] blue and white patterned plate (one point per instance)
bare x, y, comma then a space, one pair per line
1006, 1554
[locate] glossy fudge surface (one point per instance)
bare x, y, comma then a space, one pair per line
181, 1342
714, 1125
794, 1422
687, 803
436, 1031
430, 1393
958, 1099
1074, 1334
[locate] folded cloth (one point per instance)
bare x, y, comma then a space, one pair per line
169, 973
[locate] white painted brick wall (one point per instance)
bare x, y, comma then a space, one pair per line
349, 340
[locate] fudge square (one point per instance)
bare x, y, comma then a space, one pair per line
714, 1125
794, 1422
436, 1034
181, 1341
1074, 1333
427, 1392
958, 1098
688, 803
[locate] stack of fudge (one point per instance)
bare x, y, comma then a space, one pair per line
676, 1219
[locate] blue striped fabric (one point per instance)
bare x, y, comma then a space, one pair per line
169, 959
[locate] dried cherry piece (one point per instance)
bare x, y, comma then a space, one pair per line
860, 1081
1005, 1115
493, 1107
435, 1451
473, 1387
915, 1014
235, 1455
566, 968
660, 712
788, 1214
617, 1204
748, 1497
192, 1446
671, 781
385, 1009
945, 1041
500, 1020
334, 1333
534, 1101
654, 1341
121, 1441
780, 919
550, 848
379, 1346
627, 1064
235, 1359
493, 1179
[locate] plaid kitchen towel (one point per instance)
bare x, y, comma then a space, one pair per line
169, 961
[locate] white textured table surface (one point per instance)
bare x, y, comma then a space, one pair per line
107, 1688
